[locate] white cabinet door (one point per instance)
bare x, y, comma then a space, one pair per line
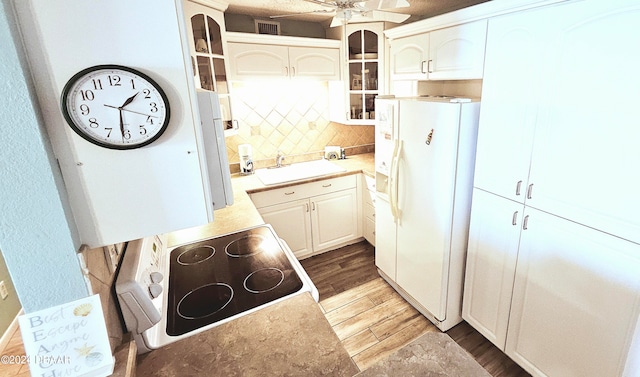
334, 219
491, 263
585, 159
292, 223
457, 52
314, 62
576, 299
385, 238
409, 56
250, 60
509, 103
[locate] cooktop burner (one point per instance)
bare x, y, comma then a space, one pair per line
206, 286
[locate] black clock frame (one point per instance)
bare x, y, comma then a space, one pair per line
67, 116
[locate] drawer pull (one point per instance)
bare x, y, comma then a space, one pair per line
307, 206
518, 185
529, 190
525, 223
514, 219
329, 185
290, 193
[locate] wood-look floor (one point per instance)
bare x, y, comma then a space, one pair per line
372, 320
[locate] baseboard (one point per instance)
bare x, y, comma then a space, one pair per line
9, 333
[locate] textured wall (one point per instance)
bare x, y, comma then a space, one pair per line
35, 237
291, 116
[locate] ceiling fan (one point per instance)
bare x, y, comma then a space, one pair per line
358, 10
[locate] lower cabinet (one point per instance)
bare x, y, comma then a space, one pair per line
369, 209
313, 223
560, 298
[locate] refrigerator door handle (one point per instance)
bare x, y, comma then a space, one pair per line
394, 189
391, 181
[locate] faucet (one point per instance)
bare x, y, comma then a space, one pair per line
279, 159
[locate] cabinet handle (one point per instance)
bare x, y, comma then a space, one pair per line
429, 66
286, 71
290, 193
307, 206
525, 222
518, 186
293, 71
422, 66
529, 190
329, 185
313, 206
514, 219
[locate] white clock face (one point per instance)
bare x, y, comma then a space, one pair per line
115, 107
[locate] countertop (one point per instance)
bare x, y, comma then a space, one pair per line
290, 338
243, 214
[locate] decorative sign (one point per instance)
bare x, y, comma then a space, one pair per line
68, 340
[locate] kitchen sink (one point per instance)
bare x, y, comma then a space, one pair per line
295, 172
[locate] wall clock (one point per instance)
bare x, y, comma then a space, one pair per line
115, 107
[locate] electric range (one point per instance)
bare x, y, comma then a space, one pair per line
169, 294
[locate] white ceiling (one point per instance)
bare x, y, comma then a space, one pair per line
418, 9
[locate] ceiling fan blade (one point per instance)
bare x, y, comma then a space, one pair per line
378, 15
297, 14
385, 4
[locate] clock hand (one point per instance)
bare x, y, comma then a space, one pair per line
121, 124
129, 100
131, 111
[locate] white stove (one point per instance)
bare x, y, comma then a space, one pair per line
169, 294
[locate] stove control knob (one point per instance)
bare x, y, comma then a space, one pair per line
155, 290
156, 277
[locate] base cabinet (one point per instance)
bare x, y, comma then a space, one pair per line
311, 222
560, 299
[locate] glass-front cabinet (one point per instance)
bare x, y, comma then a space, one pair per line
207, 45
364, 74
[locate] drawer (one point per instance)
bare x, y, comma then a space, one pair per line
370, 212
370, 182
304, 190
370, 231
369, 197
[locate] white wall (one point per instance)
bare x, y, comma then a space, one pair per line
36, 237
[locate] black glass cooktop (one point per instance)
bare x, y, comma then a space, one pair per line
215, 279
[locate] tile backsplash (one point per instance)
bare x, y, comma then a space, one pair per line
293, 117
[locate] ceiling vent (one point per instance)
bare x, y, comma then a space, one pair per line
267, 27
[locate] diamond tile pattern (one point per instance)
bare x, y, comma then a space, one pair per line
290, 116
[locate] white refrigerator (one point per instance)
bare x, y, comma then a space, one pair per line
425, 154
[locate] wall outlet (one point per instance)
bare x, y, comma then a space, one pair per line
3, 290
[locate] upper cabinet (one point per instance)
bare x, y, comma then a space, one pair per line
353, 99
453, 53
251, 60
257, 56
207, 46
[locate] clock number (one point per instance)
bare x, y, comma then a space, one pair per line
133, 84
93, 123
114, 80
84, 109
154, 107
143, 131
149, 119
147, 93
97, 84
87, 95
109, 131
126, 135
